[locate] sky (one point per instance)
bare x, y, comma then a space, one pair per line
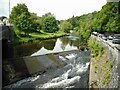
62, 9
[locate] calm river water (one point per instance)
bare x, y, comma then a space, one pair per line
62, 44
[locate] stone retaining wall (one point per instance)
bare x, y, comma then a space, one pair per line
113, 54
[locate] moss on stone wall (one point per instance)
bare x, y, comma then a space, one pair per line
101, 64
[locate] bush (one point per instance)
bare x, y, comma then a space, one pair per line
95, 46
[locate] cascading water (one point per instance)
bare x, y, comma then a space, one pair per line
74, 74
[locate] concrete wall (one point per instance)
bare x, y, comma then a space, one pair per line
113, 53
15, 69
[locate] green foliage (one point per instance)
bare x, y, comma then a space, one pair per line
36, 21
106, 80
108, 18
101, 64
39, 23
65, 26
23, 23
109, 65
26, 22
96, 47
20, 17
75, 21
17, 11
49, 23
105, 20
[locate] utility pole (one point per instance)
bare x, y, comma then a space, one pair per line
9, 8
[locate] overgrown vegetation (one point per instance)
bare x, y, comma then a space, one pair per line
28, 26
37, 36
96, 47
101, 64
105, 20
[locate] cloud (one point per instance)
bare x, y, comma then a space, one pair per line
4, 7
62, 9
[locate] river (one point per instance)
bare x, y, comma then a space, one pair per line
66, 43
73, 73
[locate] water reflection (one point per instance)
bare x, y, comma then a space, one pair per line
26, 49
64, 40
65, 43
72, 41
48, 44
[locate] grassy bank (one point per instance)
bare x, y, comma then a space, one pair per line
101, 64
20, 37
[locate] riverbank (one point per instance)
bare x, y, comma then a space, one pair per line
37, 36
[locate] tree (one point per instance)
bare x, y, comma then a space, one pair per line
20, 17
65, 26
17, 11
24, 23
37, 22
105, 20
75, 21
49, 23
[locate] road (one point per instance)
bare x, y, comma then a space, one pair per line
108, 42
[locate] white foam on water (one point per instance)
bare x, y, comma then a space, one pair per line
71, 56
35, 78
62, 84
22, 82
60, 78
66, 77
62, 58
71, 75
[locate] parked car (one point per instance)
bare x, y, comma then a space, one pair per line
94, 33
100, 35
104, 38
116, 40
110, 37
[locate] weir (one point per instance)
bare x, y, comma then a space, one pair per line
57, 70
68, 68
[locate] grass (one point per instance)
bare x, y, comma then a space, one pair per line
41, 35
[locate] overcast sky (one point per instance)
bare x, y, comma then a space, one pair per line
62, 9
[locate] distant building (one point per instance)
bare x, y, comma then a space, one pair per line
1, 23
6, 21
6, 30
